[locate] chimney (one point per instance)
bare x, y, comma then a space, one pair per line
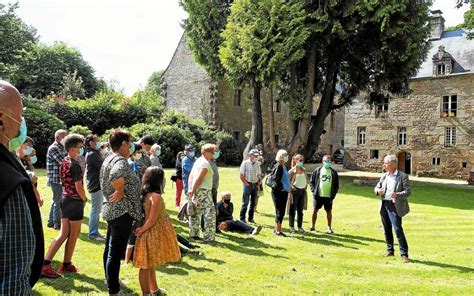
436, 24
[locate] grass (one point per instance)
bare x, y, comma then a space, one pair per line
439, 230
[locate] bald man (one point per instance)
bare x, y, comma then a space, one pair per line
54, 157
21, 235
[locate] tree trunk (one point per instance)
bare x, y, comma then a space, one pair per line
300, 140
256, 135
272, 144
317, 122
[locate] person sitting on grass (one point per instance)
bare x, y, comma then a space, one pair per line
156, 243
72, 208
225, 221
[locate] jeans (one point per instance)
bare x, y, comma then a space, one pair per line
391, 219
297, 207
238, 226
280, 198
97, 198
249, 194
118, 232
179, 191
54, 219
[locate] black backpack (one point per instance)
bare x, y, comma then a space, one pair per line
270, 178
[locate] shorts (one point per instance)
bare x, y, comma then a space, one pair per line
319, 202
72, 208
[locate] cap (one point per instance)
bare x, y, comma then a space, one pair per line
254, 152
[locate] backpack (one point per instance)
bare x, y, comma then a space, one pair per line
270, 178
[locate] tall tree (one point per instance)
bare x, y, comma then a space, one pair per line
260, 40
154, 81
372, 47
48, 65
206, 20
17, 42
468, 17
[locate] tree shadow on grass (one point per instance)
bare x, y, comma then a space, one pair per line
246, 250
249, 240
422, 193
326, 240
462, 269
182, 268
66, 284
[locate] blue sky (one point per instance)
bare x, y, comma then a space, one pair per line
127, 40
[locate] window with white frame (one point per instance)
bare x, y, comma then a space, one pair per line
402, 135
450, 106
450, 136
361, 135
382, 107
436, 161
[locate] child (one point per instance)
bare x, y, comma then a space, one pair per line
297, 201
156, 242
225, 222
72, 208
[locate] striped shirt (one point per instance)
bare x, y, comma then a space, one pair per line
54, 157
17, 245
250, 170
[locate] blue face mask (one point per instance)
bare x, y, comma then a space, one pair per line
217, 154
28, 150
158, 153
327, 164
97, 146
285, 158
33, 159
16, 142
81, 151
132, 148
299, 164
191, 153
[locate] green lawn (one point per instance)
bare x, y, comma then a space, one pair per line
439, 230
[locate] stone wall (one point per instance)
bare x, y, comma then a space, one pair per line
420, 113
186, 86
334, 136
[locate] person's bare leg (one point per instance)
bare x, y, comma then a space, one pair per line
128, 254
256, 203
143, 278
152, 280
314, 218
59, 240
75, 230
329, 218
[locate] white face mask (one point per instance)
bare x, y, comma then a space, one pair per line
137, 156
63, 141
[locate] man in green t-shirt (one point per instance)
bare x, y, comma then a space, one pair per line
324, 184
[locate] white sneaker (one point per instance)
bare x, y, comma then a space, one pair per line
329, 231
300, 230
292, 230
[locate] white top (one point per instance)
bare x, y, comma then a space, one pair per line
300, 181
201, 163
250, 170
390, 182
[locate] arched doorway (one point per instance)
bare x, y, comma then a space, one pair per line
404, 162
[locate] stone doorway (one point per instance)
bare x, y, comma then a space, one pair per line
404, 162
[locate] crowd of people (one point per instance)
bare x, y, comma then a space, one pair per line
125, 181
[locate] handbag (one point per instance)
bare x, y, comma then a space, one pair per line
270, 179
174, 177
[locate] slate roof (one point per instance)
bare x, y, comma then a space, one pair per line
461, 49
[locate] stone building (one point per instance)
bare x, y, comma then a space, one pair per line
189, 90
431, 130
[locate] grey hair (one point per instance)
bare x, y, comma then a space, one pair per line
58, 132
279, 155
391, 158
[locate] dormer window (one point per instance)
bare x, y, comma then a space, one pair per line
443, 63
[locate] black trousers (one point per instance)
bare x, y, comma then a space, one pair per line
118, 232
297, 207
238, 226
279, 201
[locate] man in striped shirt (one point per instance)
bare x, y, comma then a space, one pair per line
54, 157
21, 232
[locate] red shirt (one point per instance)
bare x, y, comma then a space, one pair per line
70, 172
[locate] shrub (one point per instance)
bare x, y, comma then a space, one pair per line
41, 128
79, 129
172, 139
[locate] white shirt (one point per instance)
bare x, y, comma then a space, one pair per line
390, 182
250, 170
300, 181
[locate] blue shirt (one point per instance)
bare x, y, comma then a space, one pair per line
187, 165
285, 180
